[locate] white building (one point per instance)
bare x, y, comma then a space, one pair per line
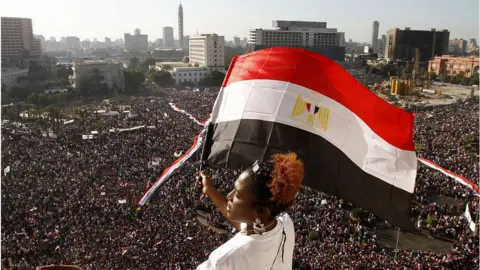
112, 72
10, 75
189, 74
136, 42
314, 36
208, 50
298, 33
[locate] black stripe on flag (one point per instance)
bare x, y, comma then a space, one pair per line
237, 144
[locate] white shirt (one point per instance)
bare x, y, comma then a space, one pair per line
256, 251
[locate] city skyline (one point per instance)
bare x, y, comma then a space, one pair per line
53, 18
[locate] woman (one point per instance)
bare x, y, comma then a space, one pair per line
255, 207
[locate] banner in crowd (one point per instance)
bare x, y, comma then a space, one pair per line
174, 107
460, 179
353, 144
129, 129
197, 142
6, 170
468, 217
170, 170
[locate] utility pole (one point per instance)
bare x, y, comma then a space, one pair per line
396, 246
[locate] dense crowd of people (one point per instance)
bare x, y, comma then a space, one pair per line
71, 199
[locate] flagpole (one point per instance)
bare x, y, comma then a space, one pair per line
205, 150
396, 246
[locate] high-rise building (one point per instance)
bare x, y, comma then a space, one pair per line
401, 44
43, 46
18, 39
374, 43
180, 26
457, 46
168, 41
384, 42
244, 42
208, 50
136, 42
186, 42
313, 36
236, 41
137, 31
73, 43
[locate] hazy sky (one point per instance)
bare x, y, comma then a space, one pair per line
113, 18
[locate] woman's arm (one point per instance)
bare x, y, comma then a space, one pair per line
217, 198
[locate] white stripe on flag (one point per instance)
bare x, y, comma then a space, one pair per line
275, 101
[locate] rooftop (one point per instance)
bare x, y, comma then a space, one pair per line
95, 62
172, 64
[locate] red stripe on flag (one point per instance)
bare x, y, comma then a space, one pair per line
322, 75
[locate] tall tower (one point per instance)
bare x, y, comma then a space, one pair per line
180, 25
375, 36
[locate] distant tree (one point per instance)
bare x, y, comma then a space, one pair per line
144, 66
474, 79
163, 78
444, 77
465, 81
42, 99
64, 72
167, 67
214, 79
33, 98
134, 62
186, 59
196, 65
460, 75
454, 80
134, 80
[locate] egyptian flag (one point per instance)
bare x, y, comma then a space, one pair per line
354, 145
